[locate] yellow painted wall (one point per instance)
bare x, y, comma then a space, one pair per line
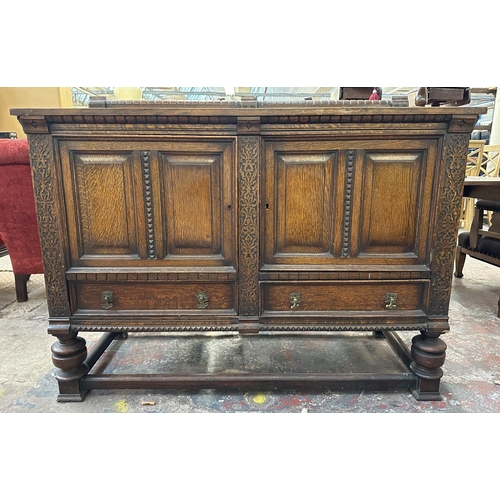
29, 97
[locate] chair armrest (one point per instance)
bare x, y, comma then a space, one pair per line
492, 206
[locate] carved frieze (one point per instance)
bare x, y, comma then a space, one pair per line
162, 328
149, 276
343, 275
341, 328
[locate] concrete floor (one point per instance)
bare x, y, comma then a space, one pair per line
471, 382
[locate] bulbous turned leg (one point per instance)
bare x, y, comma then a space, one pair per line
428, 354
68, 355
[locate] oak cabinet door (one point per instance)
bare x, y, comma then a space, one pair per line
339, 202
299, 208
147, 204
102, 190
397, 194
197, 206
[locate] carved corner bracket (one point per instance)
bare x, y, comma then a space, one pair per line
248, 126
34, 124
462, 124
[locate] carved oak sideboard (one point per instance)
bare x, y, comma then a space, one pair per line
248, 220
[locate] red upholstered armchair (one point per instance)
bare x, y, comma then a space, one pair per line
18, 222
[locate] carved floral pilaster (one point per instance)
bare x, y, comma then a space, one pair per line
248, 172
49, 225
448, 215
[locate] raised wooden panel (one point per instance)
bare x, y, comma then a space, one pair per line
196, 204
101, 205
391, 202
299, 207
193, 204
304, 204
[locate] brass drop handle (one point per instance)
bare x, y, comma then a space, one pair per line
106, 300
294, 300
202, 298
390, 300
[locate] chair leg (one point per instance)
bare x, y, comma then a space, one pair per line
21, 287
498, 313
459, 262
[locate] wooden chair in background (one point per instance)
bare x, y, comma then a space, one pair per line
490, 160
474, 159
480, 243
490, 166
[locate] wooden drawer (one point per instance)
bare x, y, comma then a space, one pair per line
200, 297
344, 296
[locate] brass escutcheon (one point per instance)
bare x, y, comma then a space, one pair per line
202, 298
294, 300
390, 300
106, 300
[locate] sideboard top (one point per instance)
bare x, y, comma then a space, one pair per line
246, 118
238, 108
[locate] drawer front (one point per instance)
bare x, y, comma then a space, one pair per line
155, 297
385, 296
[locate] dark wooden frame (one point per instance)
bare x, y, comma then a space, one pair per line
249, 123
